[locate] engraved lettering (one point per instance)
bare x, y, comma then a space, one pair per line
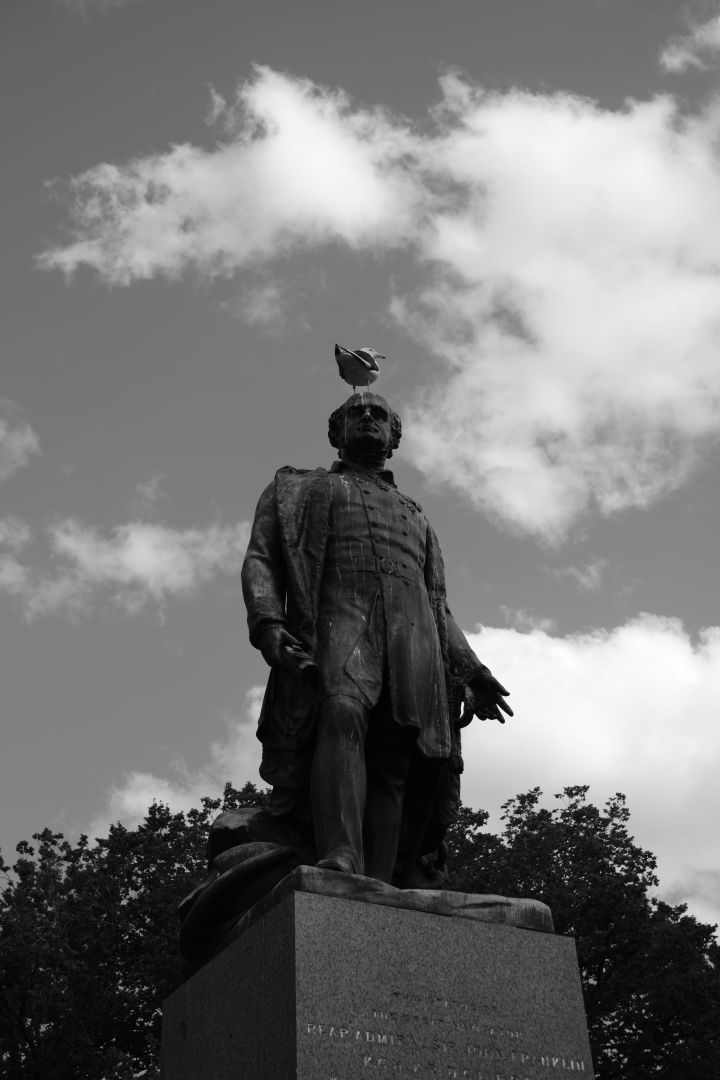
506, 1033
475, 1045
484, 1051
550, 1061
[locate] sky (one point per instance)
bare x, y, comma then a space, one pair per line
516, 201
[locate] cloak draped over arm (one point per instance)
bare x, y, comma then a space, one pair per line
263, 572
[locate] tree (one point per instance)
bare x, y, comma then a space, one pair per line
650, 972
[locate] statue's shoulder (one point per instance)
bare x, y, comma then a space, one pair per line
292, 486
290, 480
289, 472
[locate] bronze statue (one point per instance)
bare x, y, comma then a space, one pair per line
371, 680
345, 592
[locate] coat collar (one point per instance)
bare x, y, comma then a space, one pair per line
345, 466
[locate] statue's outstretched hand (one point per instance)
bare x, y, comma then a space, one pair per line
281, 649
484, 698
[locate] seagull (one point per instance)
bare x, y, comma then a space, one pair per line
358, 367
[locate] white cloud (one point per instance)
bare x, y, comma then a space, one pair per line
575, 298
236, 758
633, 710
18, 441
137, 563
693, 49
297, 166
568, 280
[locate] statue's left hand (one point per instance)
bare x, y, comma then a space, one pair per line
484, 698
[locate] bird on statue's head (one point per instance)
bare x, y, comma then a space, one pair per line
358, 367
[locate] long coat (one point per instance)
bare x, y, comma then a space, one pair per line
282, 576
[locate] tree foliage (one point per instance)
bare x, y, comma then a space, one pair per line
88, 937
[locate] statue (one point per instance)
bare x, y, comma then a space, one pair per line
371, 679
344, 586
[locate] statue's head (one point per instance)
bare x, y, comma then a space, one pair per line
365, 424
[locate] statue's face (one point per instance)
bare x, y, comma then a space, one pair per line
367, 424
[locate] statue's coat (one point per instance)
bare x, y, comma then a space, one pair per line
282, 577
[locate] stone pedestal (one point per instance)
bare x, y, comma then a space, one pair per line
324, 987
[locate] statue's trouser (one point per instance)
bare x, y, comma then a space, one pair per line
361, 762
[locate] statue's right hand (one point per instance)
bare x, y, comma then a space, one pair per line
281, 649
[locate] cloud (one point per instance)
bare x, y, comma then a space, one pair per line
136, 563
588, 578
296, 166
633, 710
564, 275
236, 758
574, 294
692, 50
18, 441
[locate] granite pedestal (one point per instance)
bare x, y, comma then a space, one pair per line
315, 986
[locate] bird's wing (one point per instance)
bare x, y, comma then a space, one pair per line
345, 356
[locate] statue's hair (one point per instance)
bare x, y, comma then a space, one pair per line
336, 423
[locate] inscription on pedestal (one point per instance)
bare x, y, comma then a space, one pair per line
463, 1041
